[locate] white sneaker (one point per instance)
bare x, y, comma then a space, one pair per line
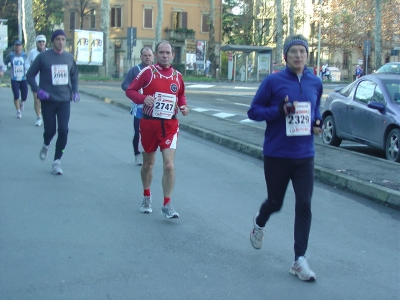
43, 152
146, 205
19, 115
38, 122
57, 167
256, 235
138, 159
21, 105
169, 211
301, 269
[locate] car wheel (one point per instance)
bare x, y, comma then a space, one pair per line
329, 132
392, 145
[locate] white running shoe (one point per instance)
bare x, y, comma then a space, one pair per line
19, 115
21, 105
169, 211
301, 269
138, 159
256, 235
38, 122
146, 205
57, 167
43, 152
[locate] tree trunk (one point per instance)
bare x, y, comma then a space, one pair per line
211, 39
291, 16
160, 15
377, 34
104, 27
28, 25
279, 32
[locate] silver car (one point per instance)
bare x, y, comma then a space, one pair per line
366, 111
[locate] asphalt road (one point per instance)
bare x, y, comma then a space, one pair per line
81, 235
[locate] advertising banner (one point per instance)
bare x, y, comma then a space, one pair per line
88, 47
96, 48
190, 61
200, 48
264, 67
3, 37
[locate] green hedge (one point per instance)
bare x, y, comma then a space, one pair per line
88, 69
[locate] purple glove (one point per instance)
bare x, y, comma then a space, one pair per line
76, 97
43, 95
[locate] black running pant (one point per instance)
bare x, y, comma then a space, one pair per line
278, 172
56, 113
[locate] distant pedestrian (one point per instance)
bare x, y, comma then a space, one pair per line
58, 86
163, 97
18, 80
207, 69
40, 47
146, 55
242, 72
288, 101
249, 71
359, 71
3, 68
327, 73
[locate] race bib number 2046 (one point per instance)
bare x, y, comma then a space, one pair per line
59, 74
299, 123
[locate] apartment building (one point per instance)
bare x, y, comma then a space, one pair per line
184, 23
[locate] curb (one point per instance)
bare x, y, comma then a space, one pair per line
371, 191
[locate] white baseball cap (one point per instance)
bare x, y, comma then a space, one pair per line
40, 38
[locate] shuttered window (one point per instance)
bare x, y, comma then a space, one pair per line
148, 18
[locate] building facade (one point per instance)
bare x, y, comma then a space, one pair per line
183, 25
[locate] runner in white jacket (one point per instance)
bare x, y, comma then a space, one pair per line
40, 47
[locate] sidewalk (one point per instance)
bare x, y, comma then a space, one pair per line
369, 177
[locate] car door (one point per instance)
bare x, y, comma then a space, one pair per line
366, 123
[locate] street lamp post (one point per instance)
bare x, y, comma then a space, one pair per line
319, 37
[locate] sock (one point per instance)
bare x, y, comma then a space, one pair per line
166, 200
146, 192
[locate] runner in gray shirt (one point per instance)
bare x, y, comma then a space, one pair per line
58, 86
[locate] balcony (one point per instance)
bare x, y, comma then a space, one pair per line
180, 34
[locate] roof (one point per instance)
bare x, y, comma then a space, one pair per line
245, 48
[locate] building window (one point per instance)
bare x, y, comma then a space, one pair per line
116, 17
179, 20
205, 23
92, 21
71, 20
148, 18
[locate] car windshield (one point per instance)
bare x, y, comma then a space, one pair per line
389, 69
393, 88
346, 90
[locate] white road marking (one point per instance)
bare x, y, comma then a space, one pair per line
223, 115
200, 86
199, 109
242, 104
249, 121
245, 88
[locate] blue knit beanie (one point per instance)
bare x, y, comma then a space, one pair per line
291, 40
57, 33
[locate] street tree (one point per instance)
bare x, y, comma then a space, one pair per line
279, 31
160, 18
47, 15
28, 25
9, 11
377, 34
105, 28
82, 7
211, 38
